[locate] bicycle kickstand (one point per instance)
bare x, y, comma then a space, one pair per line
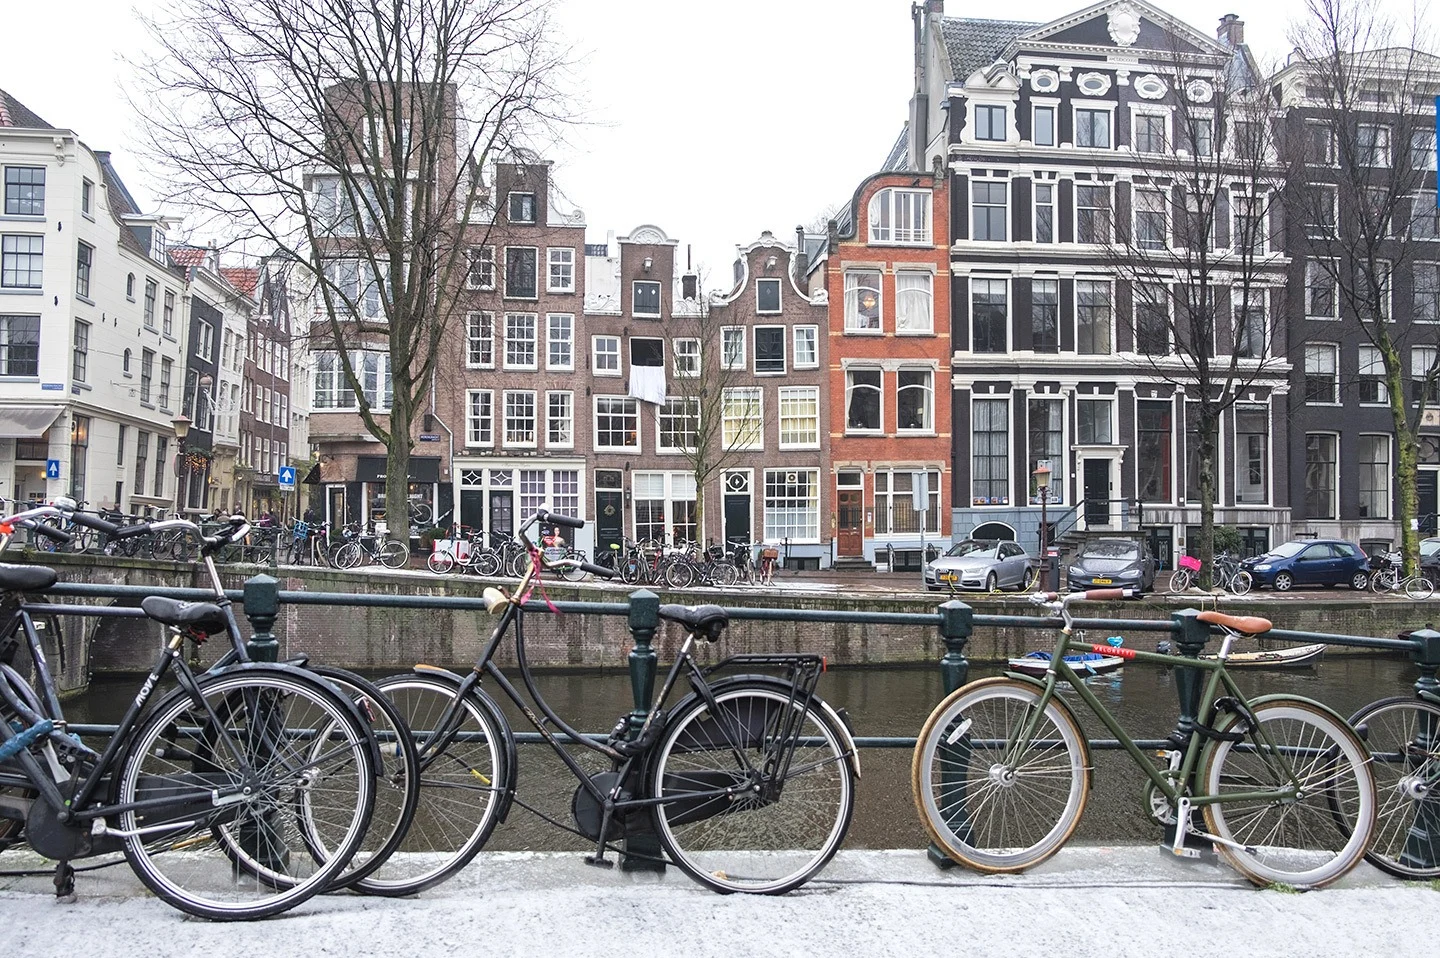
64, 883
599, 859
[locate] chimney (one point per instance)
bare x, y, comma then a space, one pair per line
1231, 31
797, 262
936, 8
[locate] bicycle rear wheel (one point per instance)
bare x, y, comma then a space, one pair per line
440, 562
1419, 588
1403, 735
756, 842
1179, 580
348, 556
988, 802
1312, 838
1382, 581
1242, 582
393, 554
295, 774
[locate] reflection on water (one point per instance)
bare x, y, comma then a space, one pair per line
889, 702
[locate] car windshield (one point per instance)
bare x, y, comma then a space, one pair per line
971, 547
1428, 547
1111, 550
1287, 549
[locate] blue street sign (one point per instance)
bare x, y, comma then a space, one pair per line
287, 477
52, 468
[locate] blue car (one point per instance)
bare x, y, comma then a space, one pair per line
1310, 562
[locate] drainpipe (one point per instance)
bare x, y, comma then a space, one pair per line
450, 434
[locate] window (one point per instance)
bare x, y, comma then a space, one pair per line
87, 198
1320, 299
807, 347
1042, 131
1319, 208
84, 262
147, 373
732, 347
1149, 133
770, 349
1193, 454
1427, 293
372, 368
1422, 150
560, 341
79, 454
678, 425
162, 447
914, 310
1424, 382
1321, 378
560, 420
767, 295
1154, 450
125, 363
799, 417
989, 315
1092, 214
1046, 428
1424, 217
617, 423
1374, 480
606, 355
1092, 128
1320, 490
1372, 290
1250, 324
519, 417
989, 122
356, 286
646, 298
895, 512
1372, 144
1252, 455
142, 461
1371, 380
80, 365
687, 358
1092, 317
205, 341
1319, 143
862, 400
25, 191
1151, 231
658, 511
792, 505
742, 424
1152, 319
862, 301
1045, 315
130, 293
1044, 213
522, 272
990, 451
479, 417
915, 400
22, 262
1247, 139
1092, 422
1202, 136
562, 270
1249, 223
120, 453
481, 272
900, 216
520, 340
988, 211
522, 207
479, 341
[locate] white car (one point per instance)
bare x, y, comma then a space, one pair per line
982, 564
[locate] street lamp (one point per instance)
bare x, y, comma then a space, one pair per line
1042, 483
181, 425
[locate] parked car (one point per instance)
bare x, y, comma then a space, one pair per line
1112, 563
1310, 562
1430, 559
987, 564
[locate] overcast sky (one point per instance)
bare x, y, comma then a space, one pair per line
712, 119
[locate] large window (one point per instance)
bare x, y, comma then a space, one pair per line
1093, 422
562, 269
1422, 150
1250, 324
742, 423
1320, 299
560, 420
989, 314
799, 417
1092, 317
24, 191
862, 399
792, 505
914, 305
1252, 455
664, 504
560, 341
1193, 455
1044, 212
769, 349
1045, 315
22, 261
1042, 131
1424, 216
372, 368
1374, 479
1046, 429
1424, 375
520, 340
617, 423
357, 286
1320, 487
990, 452
79, 454
989, 122
895, 512
1092, 213
1427, 293
900, 216
520, 421
1372, 144
862, 301
1151, 231
479, 417
988, 211
84, 263
915, 400
1249, 231
678, 424
1371, 380
1152, 319
1149, 133
1322, 381
80, 363
481, 271
1155, 450
479, 341
1092, 128
522, 272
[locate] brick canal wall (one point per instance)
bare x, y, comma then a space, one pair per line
374, 638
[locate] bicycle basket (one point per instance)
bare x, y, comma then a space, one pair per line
770, 553
1189, 562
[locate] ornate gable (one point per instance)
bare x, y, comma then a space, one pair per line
1124, 25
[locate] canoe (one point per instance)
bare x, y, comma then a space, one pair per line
1086, 663
1293, 657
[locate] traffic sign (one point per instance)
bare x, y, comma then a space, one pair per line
52, 468
287, 477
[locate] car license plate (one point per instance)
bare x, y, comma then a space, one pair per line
1102, 581
948, 577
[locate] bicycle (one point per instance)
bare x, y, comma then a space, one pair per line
1227, 575
769, 559
359, 546
1389, 577
1403, 735
1001, 771
747, 781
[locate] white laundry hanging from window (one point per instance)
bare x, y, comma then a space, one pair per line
647, 370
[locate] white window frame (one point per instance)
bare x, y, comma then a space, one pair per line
1166, 131
479, 335
732, 347
1314, 269
1054, 187
560, 262
787, 399
535, 280
1110, 346
892, 205
779, 302
784, 359
689, 409
810, 509
567, 401
518, 396
477, 257
1053, 105
1004, 184
596, 355
1370, 363
659, 298
1008, 497
1333, 351
688, 359
633, 412
1387, 488
1240, 457
1091, 106
1305, 461
928, 429
1385, 143
480, 431
747, 433
812, 334
924, 296
565, 338
879, 428
534, 340
510, 207
852, 298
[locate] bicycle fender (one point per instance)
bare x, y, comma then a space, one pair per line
511, 774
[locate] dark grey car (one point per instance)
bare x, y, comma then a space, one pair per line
1112, 564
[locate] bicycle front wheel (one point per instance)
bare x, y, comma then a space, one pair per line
1382, 582
1242, 582
393, 554
263, 809
988, 800
1321, 830
348, 556
1179, 580
440, 562
775, 835
1403, 735
1419, 588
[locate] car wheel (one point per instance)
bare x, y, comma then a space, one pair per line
1359, 581
1028, 582
992, 584
1284, 581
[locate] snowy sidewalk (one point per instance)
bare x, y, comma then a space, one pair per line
1106, 902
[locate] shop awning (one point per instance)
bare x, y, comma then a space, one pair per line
27, 422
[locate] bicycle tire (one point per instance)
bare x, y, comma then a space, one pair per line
1419, 588
1383, 582
516, 563
1058, 756
440, 562
1242, 582
718, 841
348, 556
680, 575
1403, 735
1295, 842
393, 554
1180, 580
460, 789
724, 573
166, 755
487, 563
573, 573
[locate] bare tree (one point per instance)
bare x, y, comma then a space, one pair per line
1360, 150
350, 135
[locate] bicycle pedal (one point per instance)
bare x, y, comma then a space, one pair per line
598, 862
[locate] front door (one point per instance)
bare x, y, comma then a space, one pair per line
335, 507
472, 508
850, 521
609, 520
1427, 499
502, 514
1097, 492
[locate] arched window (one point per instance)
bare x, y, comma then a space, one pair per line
993, 530
862, 400
125, 363
130, 287
914, 400
900, 216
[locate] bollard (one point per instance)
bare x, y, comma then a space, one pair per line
1424, 834
642, 847
957, 624
262, 606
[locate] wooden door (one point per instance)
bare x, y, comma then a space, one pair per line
850, 520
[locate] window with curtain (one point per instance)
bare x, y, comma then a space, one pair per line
990, 452
914, 309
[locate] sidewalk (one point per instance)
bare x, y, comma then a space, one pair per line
1088, 901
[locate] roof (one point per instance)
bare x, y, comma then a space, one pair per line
899, 156
188, 255
120, 203
973, 44
245, 279
16, 114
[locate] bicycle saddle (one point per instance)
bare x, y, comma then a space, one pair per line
1245, 624
705, 621
206, 617
26, 578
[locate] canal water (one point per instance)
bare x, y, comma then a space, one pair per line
888, 702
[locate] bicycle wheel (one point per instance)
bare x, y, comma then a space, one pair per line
1418, 587
724, 573
348, 556
680, 575
308, 775
1242, 582
516, 563
1180, 580
574, 573
460, 787
487, 563
1382, 581
987, 802
762, 841
393, 554
440, 562
1403, 735
1294, 842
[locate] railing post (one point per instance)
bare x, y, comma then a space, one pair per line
957, 624
642, 846
1191, 636
262, 606
1424, 835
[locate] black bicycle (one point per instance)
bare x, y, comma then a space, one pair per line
748, 781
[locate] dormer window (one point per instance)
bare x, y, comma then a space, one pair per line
767, 295
646, 298
990, 123
522, 207
900, 216
157, 244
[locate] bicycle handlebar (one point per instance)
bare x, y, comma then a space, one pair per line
599, 570
555, 519
48, 531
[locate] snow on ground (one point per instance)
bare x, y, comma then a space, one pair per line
1088, 901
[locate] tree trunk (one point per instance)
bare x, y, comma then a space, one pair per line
1408, 454
1207, 497
397, 467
